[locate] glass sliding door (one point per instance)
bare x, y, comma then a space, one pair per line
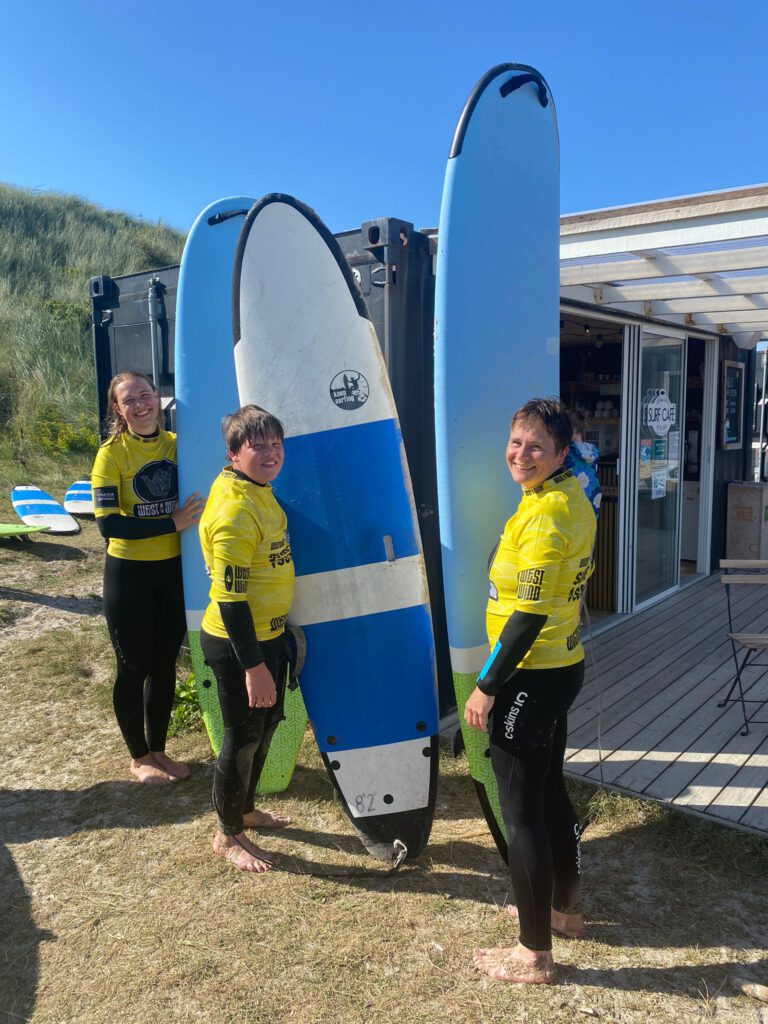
661, 420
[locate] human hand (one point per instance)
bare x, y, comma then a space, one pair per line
477, 709
189, 512
260, 686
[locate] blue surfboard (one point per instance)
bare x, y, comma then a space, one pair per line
305, 349
206, 390
36, 507
497, 306
79, 499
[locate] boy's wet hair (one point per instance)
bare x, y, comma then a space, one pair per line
250, 425
553, 414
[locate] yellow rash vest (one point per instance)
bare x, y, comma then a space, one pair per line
541, 566
247, 551
136, 476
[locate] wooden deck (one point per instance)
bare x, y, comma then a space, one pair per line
649, 710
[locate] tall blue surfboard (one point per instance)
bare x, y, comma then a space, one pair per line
206, 390
497, 307
305, 349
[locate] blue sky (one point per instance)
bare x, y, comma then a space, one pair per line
158, 109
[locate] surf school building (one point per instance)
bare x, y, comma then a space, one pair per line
662, 306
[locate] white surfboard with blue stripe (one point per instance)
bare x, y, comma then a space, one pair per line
306, 350
79, 499
497, 306
36, 507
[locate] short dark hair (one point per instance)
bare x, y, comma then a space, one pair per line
553, 414
248, 425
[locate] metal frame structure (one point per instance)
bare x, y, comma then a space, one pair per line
700, 262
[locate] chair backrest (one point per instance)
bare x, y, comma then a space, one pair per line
754, 573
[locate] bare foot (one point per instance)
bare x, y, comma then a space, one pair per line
148, 772
518, 965
177, 769
242, 853
265, 819
572, 926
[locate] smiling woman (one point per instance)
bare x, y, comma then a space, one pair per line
537, 576
135, 495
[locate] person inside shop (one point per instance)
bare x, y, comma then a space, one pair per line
535, 671
135, 494
582, 460
244, 537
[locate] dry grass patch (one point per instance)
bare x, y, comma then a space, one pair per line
117, 910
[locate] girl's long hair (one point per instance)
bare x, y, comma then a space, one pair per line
115, 422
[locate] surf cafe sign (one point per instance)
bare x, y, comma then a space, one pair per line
659, 414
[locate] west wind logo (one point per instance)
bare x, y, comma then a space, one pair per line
529, 583
156, 484
236, 577
510, 719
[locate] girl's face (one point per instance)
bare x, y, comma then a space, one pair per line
531, 454
139, 405
261, 460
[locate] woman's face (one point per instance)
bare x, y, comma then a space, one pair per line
139, 405
531, 454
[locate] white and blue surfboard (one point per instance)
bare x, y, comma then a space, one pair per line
36, 507
206, 390
306, 350
497, 306
78, 500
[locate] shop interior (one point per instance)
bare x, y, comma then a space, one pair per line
590, 384
591, 372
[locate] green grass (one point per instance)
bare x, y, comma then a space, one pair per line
50, 246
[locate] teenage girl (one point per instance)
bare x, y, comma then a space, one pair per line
535, 671
135, 493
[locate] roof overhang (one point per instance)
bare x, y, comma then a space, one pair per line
699, 262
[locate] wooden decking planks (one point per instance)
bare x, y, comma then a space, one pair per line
647, 721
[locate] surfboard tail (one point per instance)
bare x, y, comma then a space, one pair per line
381, 833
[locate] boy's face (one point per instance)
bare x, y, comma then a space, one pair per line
260, 459
531, 453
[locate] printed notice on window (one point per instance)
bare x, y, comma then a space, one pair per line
658, 484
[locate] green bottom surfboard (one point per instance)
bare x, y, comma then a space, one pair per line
479, 757
21, 530
284, 749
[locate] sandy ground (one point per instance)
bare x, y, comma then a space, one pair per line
116, 910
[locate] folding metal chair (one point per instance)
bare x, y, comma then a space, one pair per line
739, 572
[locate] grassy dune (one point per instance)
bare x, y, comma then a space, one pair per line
50, 246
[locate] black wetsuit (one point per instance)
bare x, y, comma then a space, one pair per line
247, 731
135, 493
144, 609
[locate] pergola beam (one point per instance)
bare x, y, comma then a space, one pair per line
720, 261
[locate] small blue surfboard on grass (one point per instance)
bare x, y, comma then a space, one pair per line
36, 507
78, 500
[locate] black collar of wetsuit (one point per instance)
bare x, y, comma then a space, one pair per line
144, 438
243, 476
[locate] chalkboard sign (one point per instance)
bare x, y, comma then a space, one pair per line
732, 406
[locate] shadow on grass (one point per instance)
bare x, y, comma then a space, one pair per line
705, 980
19, 941
77, 605
45, 550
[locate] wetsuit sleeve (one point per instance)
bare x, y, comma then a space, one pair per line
130, 528
238, 622
514, 642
